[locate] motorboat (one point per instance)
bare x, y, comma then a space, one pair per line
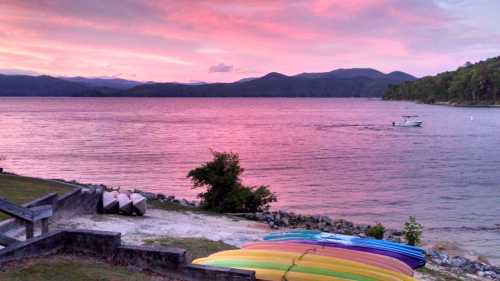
408, 121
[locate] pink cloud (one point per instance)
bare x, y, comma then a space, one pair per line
180, 40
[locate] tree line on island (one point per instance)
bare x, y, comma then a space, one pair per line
471, 84
355, 82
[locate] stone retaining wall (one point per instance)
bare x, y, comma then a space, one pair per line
80, 201
203, 272
107, 245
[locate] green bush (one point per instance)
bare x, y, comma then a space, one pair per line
412, 231
224, 191
376, 231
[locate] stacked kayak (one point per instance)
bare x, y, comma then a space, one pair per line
305, 256
411, 255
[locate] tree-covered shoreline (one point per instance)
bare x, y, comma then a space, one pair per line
470, 85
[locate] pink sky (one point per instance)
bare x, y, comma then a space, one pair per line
217, 40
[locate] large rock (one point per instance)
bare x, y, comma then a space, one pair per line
458, 261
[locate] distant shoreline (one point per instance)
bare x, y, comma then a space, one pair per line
465, 105
449, 104
196, 97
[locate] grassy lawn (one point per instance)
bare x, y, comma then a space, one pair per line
195, 247
20, 190
64, 268
169, 206
177, 207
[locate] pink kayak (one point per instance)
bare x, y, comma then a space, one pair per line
358, 256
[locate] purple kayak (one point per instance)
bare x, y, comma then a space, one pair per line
410, 261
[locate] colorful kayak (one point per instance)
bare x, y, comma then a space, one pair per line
382, 261
271, 271
346, 239
410, 255
313, 264
335, 236
410, 261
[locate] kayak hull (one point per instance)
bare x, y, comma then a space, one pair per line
109, 202
304, 263
138, 203
125, 204
358, 256
412, 256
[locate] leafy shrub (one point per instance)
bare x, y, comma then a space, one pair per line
412, 231
224, 191
376, 231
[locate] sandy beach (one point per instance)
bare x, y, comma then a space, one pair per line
157, 223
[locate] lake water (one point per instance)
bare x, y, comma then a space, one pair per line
339, 157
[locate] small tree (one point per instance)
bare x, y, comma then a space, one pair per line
224, 190
376, 231
412, 231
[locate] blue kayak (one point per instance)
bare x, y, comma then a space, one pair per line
316, 233
346, 239
412, 262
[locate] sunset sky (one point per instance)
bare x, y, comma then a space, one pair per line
217, 40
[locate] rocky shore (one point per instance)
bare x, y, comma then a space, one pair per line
458, 266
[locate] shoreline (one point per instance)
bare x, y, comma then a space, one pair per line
171, 216
444, 253
449, 104
237, 229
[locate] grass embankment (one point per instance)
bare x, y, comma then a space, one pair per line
170, 206
19, 190
177, 207
64, 268
195, 247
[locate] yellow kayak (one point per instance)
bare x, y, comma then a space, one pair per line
313, 264
277, 275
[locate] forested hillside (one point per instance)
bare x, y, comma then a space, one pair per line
471, 84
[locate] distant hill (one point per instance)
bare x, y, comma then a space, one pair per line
115, 83
337, 83
471, 84
245, 79
24, 85
345, 73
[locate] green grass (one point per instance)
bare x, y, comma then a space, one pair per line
195, 247
438, 275
64, 268
176, 207
21, 190
169, 206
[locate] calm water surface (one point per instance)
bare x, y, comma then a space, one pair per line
338, 157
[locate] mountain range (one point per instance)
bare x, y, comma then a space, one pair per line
355, 82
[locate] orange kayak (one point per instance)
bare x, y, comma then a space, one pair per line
358, 256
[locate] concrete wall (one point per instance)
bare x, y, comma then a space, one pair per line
97, 243
202, 272
154, 258
47, 244
80, 201
107, 245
